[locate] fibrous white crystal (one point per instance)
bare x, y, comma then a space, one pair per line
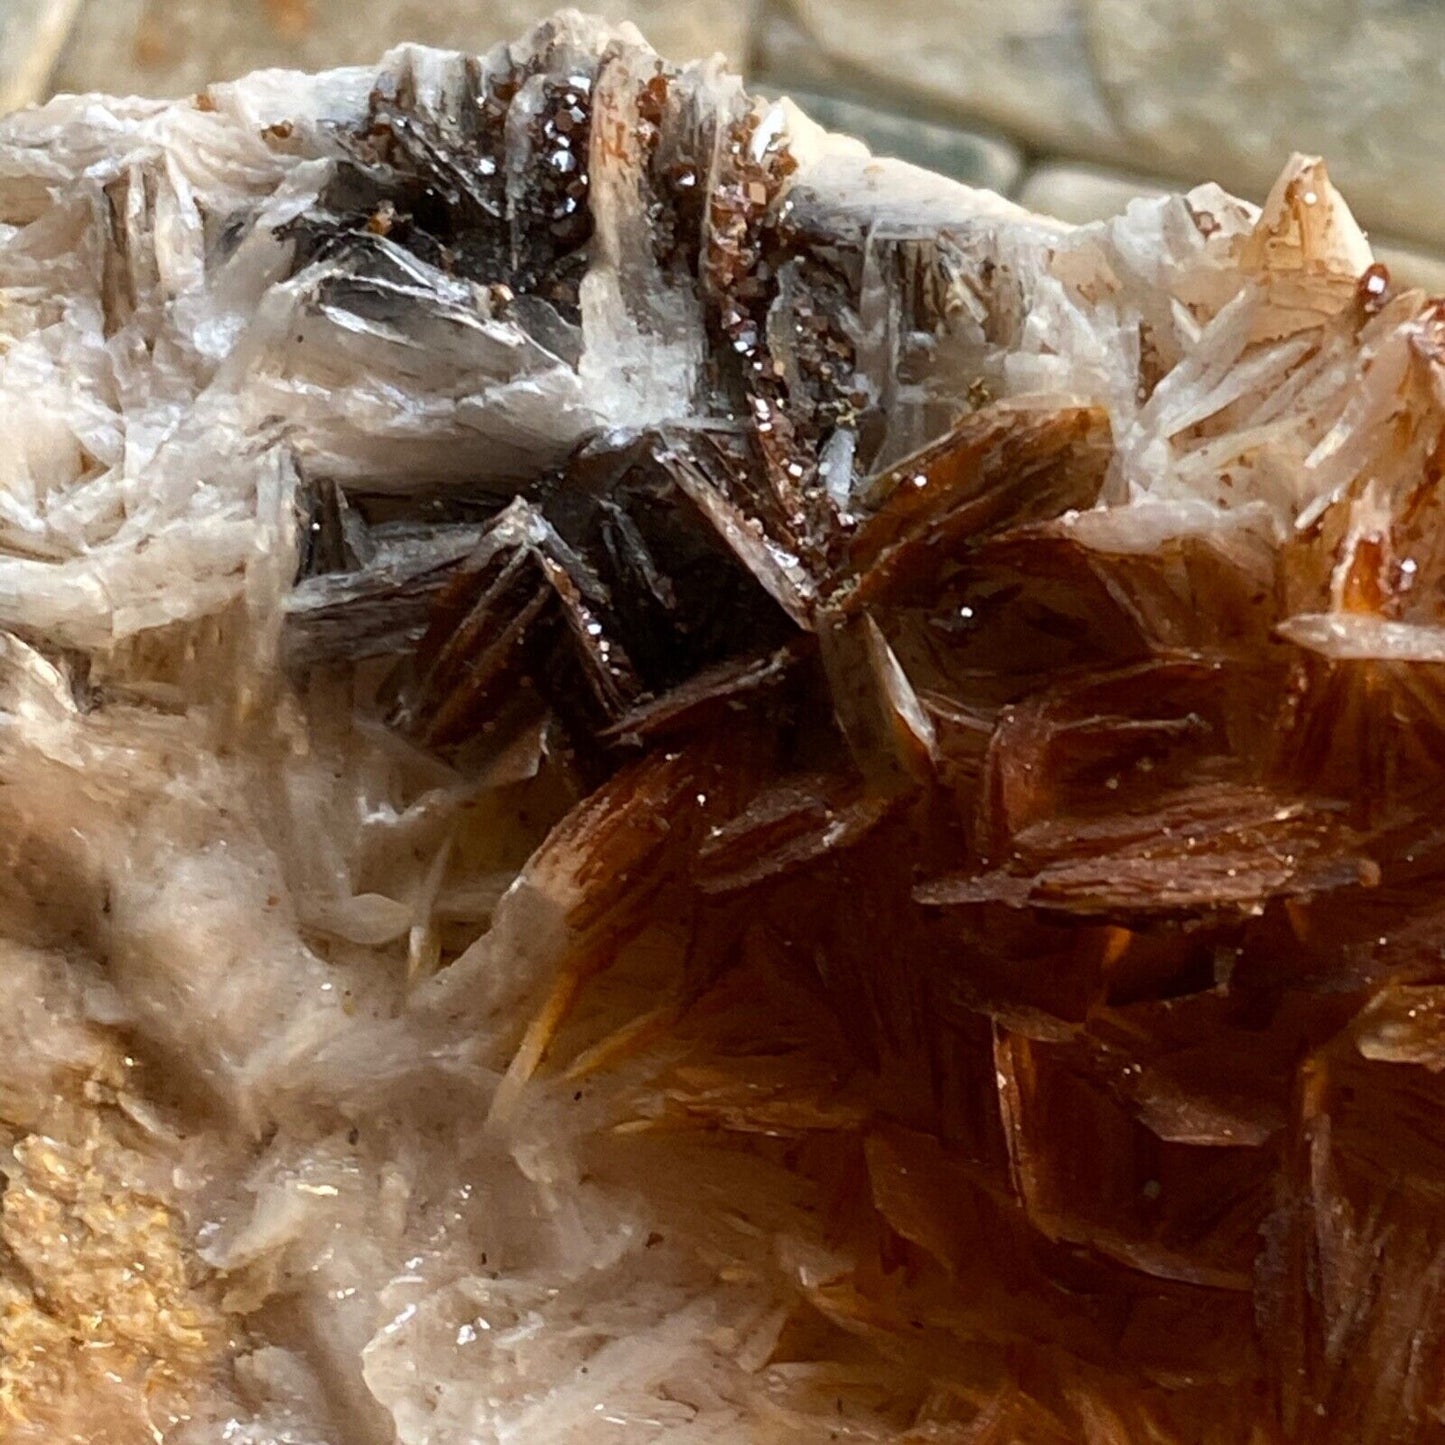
279, 980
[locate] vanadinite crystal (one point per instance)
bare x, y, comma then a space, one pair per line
660, 782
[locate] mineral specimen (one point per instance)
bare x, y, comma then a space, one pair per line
662, 782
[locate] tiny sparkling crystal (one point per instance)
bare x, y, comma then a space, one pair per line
658, 775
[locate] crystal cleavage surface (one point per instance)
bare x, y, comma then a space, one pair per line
662, 779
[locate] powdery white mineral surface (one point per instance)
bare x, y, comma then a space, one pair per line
970, 984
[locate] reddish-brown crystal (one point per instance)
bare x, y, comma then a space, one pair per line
1082, 963
1040, 873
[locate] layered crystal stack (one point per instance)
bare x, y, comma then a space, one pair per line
663, 781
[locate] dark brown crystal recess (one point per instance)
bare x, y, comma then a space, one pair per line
1058, 908
1063, 915
667, 783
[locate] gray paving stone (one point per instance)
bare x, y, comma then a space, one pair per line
169, 47
1019, 65
32, 33
1195, 89
1228, 88
1084, 193
1192, 89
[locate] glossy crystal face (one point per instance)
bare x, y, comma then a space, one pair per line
659, 778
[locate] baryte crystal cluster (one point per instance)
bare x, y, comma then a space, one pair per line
662, 782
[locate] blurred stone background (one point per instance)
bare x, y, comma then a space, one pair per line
1072, 106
